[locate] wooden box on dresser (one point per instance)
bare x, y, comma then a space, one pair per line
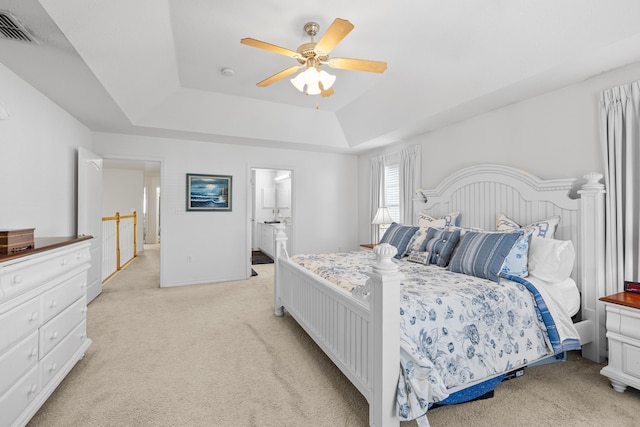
43, 307
623, 334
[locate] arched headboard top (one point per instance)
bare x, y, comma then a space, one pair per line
484, 191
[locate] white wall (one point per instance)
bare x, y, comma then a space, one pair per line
218, 243
38, 144
555, 135
123, 191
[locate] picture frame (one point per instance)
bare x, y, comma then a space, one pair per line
209, 193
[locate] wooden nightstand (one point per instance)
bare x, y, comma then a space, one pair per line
623, 333
367, 246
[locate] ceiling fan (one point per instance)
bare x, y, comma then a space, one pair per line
312, 55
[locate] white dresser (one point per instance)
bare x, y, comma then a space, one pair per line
623, 333
43, 306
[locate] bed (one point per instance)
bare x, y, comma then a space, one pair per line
357, 326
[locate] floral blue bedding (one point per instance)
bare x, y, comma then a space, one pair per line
456, 330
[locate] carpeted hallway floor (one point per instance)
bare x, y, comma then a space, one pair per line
215, 355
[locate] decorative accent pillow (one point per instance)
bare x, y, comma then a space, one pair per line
399, 236
417, 240
516, 262
482, 254
544, 228
446, 220
440, 243
420, 257
551, 260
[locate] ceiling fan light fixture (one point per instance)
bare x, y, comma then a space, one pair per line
311, 76
298, 82
326, 79
313, 89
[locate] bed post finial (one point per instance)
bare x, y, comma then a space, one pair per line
384, 252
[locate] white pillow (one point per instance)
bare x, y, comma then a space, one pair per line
425, 220
550, 259
543, 228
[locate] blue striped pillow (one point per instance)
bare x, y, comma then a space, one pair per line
399, 236
482, 254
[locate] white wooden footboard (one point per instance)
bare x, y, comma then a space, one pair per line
359, 334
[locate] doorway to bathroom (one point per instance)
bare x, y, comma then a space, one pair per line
272, 203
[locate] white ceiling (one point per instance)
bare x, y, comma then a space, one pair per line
152, 67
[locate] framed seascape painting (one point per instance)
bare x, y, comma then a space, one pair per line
208, 192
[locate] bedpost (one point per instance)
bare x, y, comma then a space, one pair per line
280, 251
592, 261
385, 338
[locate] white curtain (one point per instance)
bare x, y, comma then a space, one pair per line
377, 194
410, 177
620, 133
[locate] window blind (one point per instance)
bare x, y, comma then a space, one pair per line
392, 190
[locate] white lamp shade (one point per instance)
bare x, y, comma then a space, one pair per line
313, 89
298, 82
311, 76
327, 79
382, 217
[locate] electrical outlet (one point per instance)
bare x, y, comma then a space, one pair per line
189, 259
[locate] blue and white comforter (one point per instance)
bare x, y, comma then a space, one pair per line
456, 330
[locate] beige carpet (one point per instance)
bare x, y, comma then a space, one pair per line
215, 355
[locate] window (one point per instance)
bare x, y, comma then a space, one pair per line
392, 191
391, 194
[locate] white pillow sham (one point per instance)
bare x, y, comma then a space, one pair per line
550, 259
543, 228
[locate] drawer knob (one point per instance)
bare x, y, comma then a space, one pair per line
53, 367
79, 255
32, 389
64, 262
17, 279
53, 304
34, 316
54, 336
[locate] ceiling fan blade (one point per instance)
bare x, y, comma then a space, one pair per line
325, 93
358, 65
338, 30
281, 75
270, 47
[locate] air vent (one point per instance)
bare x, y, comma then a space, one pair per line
11, 28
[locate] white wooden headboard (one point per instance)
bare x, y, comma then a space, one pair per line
482, 192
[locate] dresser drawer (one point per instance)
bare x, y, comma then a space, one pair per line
19, 322
30, 272
57, 299
15, 362
16, 400
56, 360
54, 331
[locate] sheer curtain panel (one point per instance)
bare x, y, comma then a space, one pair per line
377, 194
410, 177
620, 133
